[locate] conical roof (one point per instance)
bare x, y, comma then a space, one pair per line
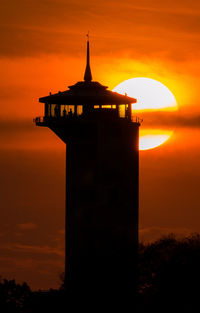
87, 92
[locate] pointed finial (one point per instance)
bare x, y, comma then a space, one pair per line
88, 75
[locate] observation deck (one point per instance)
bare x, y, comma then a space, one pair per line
47, 120
86, 100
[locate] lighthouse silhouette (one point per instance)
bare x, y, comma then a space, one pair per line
101, 136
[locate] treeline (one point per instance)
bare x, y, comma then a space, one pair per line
169, 280
169, 275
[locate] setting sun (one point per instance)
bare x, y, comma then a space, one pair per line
151, 95
150, 139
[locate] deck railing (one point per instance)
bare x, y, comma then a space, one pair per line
39, 119
43, 119
136, 119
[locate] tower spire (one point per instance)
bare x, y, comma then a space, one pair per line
88, 75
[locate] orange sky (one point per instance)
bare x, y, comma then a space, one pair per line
42, 49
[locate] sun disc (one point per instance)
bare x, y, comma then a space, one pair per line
151, 95
150, 139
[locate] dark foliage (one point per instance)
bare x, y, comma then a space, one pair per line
169, 275
169, 280
13, 297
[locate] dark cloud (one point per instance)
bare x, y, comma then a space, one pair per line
33, 249
22, 42
169, 119
31, 28
27, 226
15, 125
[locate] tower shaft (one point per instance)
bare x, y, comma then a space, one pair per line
101, 208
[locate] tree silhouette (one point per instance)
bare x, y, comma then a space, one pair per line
170, 275
13, 297
169, 279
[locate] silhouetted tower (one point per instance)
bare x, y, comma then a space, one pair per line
101, 137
